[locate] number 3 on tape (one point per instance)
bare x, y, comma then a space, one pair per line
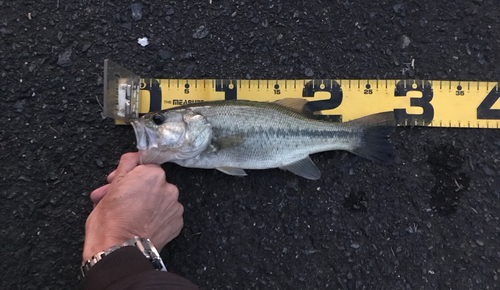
423, 101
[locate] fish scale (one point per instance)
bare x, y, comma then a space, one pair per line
269, 143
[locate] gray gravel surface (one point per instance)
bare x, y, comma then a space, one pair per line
431, 221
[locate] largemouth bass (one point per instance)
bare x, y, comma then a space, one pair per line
232, 136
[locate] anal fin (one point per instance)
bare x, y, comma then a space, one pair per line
232, 171
305, 168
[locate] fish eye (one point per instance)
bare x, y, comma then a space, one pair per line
158, 119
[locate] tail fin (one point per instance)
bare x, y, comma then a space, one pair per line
375, 144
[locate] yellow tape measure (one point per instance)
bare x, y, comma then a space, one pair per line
415, 102
463, 104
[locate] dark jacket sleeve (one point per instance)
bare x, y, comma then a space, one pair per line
127, 268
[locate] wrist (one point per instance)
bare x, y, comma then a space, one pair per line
99, 238
142, 244
90, 248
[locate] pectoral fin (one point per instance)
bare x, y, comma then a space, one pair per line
232, 171
305, 168
230, 141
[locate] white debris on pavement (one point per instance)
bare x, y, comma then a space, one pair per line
143, 41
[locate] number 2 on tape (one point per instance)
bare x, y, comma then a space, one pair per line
336, 96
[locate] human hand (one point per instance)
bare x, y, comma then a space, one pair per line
136, 202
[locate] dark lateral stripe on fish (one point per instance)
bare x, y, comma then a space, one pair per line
281, 133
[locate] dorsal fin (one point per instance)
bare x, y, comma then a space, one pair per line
295, 104
378, 119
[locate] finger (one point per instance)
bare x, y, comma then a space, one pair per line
98, 194
111, 176
172, 191
128, 162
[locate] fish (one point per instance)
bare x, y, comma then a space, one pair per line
234, 135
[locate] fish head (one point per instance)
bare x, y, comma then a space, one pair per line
171, 135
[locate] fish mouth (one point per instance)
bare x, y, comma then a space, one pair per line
147, 143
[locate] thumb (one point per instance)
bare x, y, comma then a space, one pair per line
128, 162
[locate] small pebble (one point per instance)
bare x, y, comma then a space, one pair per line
86, 47
136, 11
405, 41
164, 54
201, 32
99, 163
64, 58
188, 71
309, 72
170, 11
